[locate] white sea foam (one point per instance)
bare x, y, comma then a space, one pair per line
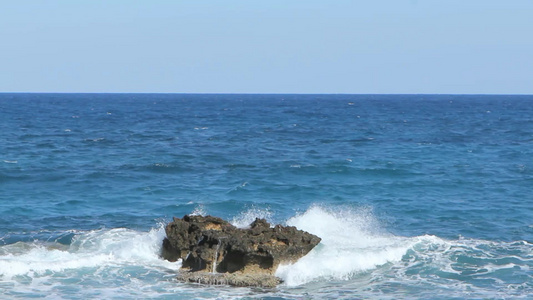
123, 263
352, 242
93, 249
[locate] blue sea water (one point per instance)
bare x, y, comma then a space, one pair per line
414, 196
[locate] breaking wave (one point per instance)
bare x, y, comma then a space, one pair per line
355, 248
355, 251
352, 242
98, 248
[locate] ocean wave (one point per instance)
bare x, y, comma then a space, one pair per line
93, 249
352, 242
355, 247
356, 252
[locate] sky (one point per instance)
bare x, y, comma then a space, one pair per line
269, 46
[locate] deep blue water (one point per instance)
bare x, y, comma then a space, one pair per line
415, 196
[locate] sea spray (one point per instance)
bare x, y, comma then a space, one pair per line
199, 210
355, 249
352, 242
245, 218
356, 253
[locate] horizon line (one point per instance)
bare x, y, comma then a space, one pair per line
216, 93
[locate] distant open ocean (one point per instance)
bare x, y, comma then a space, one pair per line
414, 196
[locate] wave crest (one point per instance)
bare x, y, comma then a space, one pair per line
352, 242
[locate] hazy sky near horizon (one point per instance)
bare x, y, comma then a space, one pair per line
271, 46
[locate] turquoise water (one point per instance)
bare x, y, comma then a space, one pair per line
414, 196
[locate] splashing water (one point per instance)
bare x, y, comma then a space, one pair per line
100, 260
245, 218
216, 257
199, 211
355, 250
351, 243
355, 253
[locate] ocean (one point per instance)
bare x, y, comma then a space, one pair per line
414, 196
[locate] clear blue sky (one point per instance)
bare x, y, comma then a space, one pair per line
268, 46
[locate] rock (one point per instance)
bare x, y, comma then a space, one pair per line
233, 279
245, 257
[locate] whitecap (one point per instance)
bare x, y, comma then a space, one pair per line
93, 249
352, 242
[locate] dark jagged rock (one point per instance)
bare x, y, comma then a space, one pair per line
210, 245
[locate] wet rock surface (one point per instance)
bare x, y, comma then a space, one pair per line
233, 279
215, 252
